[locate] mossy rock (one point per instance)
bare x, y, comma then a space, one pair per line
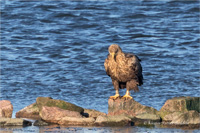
31, 111
48, 101
193, 103
180, 104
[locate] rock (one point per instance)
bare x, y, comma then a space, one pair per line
93, 113
128, 107
48, 101
138, 113
190, 117
74, 121
31, 111
171, 116
120, 120
40, 123
55, 114
14, 122
179, 104
149, 117
6, 109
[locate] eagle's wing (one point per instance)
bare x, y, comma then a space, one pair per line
134, 64
107, 66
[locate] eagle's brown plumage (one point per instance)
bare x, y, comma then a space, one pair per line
124, 69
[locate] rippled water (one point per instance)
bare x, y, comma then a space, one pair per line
57, 49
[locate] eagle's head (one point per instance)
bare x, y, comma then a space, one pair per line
113, 50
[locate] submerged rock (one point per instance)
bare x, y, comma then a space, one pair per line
55, 114
6, 109
31, 111
40, 123
49, 102
179, 105
14, 122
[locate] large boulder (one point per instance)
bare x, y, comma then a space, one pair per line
49, 102
179, 105
131, 108
6, 109
14, 122
31, 111
55, 114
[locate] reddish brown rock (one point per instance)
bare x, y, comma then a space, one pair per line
6, 109
55, 114
31, 111
138, 113
128, 107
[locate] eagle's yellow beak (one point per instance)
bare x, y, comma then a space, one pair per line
113, 55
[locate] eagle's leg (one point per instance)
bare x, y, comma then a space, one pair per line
116, 95
127, 95
116, 86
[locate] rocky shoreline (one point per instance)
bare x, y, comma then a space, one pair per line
183, 112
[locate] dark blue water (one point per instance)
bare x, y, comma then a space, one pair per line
57, 49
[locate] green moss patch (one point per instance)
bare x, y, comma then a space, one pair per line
47, 101
193, 103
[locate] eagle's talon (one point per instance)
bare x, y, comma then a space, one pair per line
114, 97
127, 97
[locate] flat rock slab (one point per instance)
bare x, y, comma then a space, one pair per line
73, 121
148, 117
31, 111
14, 122
6, 109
